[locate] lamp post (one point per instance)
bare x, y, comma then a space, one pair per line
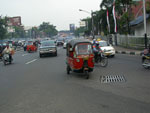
92, 21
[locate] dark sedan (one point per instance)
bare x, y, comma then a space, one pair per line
47, 47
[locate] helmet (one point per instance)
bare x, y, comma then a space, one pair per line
97, 43
7, 45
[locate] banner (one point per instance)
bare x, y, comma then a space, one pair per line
108, 21
114, 16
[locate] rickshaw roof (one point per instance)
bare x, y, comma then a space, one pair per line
77, 41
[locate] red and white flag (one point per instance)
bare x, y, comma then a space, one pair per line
114, 15
108, 21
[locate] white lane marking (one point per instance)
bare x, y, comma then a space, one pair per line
31, 61
24, 54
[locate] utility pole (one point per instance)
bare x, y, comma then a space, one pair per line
145, 30
92, 25
92, 21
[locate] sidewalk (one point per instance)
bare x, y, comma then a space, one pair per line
122, 50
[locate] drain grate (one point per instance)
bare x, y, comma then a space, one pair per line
112, 78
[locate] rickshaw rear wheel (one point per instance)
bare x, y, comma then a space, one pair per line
68, 70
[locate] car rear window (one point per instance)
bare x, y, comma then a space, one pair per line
103, 44
48, 43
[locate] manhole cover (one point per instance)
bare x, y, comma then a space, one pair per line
112, 78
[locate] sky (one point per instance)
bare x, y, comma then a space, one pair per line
60, 13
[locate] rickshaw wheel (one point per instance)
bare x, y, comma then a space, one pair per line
68, 70
87, 74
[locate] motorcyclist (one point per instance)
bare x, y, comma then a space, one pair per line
147, 51
1, 50
8, 50
94, 41
96, 49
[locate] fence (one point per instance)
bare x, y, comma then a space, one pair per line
135, 42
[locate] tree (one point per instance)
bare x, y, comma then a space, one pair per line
122, 8
35, 32
80, 30
19, 32
3, 27
148, 7
88, 27
48, 29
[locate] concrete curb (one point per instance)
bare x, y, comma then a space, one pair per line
128, 52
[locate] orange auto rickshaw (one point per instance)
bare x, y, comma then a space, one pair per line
80, 57
31, 46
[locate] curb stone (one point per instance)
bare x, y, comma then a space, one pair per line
128, 52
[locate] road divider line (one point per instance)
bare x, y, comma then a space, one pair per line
24, 54
31, 61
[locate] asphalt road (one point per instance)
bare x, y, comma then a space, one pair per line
41, 85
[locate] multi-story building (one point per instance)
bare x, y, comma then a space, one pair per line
137, 25
72, 27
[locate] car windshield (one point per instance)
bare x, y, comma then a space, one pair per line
83, 49
103, 44
48, 43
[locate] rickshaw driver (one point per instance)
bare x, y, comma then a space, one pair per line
96, 49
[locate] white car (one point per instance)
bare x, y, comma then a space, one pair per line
64, 45
106, 48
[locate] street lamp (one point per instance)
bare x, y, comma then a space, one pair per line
92, 20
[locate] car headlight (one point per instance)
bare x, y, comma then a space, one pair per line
113, 49
53, 49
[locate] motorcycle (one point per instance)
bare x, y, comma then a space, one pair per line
101, 59
146, 61
6, 59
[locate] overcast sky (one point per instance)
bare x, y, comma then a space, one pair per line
58, 12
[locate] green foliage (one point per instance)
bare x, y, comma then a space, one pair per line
48, 29
19, 32
79, 31
88, 28
148, 7
123, 23
3, 27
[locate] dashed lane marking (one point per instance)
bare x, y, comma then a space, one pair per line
24, 54
31, 61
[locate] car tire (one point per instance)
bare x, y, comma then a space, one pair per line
40, 55
112, 56
56, 53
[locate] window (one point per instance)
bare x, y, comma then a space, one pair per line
83, 49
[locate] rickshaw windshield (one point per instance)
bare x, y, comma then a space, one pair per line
30, 43
83, 49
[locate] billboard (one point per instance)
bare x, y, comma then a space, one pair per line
82, 23
14, 21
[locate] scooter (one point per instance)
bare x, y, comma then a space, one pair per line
101, 59
6, 59
146, 61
